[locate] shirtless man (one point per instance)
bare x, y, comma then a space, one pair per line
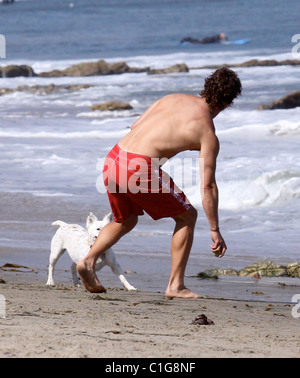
174, 123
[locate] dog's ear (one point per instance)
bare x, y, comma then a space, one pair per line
108, 217
91, 218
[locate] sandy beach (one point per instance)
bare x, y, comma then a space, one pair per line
64, 321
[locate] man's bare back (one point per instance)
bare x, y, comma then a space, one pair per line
175, 123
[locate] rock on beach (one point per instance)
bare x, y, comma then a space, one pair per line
264, 269
111, 106
15, 71
44, 89
290, 101
93, 69
257, 270
173, 69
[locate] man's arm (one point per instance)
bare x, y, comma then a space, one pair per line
209, 189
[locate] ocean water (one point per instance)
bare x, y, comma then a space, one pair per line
52, 144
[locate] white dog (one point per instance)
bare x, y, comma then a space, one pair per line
78, 241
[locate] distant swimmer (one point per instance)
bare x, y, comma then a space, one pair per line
7, 1
213, 39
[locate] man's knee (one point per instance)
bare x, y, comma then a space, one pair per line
129, 223
193, 215
189, 217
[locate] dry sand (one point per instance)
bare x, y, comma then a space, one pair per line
64, 321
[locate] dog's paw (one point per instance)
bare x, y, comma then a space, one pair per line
131, 288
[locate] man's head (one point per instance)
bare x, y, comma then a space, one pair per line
221, 88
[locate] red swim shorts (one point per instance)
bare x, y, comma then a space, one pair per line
136, 183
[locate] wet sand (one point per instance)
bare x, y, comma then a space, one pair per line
64, 321
252, 318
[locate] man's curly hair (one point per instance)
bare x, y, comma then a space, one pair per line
221, 88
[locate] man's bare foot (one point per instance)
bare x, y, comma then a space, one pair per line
89, 278
180, 293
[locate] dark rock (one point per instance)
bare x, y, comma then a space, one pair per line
202, 320
256, 270
173, 69
4, 91
288, 102
267, 63
103, 68
51, 88
293, 269
10, 265
16, 268
93, 69
207, 275
111, 106
53, 73
44, 89
263, 269
271, 62
214, 273
15, 71
255, 63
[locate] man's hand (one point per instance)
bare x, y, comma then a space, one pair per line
219, 247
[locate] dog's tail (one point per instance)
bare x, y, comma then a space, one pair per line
59, 223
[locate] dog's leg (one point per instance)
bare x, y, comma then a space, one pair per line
50, 281
111, 261
74, 275
54, 256
126, 283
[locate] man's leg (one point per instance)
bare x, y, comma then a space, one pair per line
108, 236
180, 248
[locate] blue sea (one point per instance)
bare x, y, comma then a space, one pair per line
51, 144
